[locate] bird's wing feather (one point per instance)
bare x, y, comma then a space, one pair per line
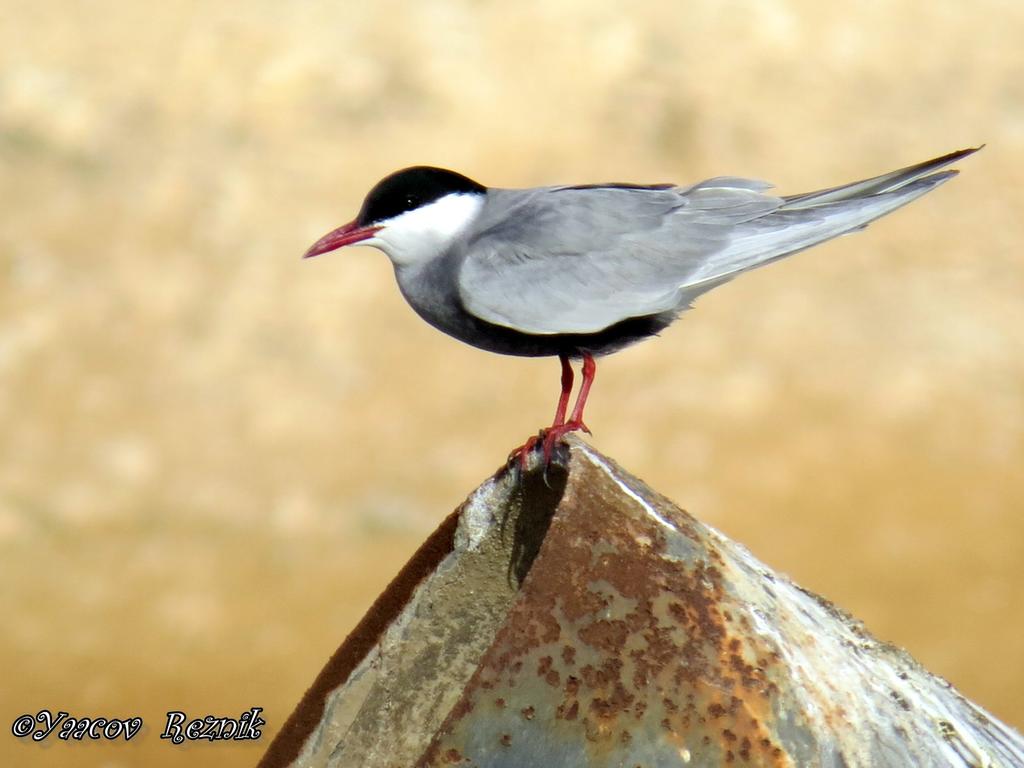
580, 259
877, 184
576, 260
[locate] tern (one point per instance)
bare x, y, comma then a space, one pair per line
584, 270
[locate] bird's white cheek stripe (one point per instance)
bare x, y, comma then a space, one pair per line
424, 233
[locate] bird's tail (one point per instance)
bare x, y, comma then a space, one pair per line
887, 182
802, 221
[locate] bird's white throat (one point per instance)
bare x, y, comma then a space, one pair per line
428, 231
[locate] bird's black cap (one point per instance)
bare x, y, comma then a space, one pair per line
412, 188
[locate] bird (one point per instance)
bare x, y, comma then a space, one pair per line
581, 271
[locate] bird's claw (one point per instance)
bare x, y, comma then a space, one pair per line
547, 439
521, 455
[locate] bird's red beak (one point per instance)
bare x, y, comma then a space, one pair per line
345, 235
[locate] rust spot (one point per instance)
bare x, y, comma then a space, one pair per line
619, 701
528, 712
745, 749
729, 756
462, 708
606, 635
500, 703
572, 685
552, 678
716, 710
625, 737
568, 655
544, 665
569, 713
602, 677
453, 756
506, 740
729, 736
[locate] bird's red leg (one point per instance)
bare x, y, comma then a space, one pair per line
575, 422
589, 372
563, 399
523, 451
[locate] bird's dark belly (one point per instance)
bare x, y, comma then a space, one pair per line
507, 341
434, 298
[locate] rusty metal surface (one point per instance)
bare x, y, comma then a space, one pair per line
641, 637
397, 690
581, 619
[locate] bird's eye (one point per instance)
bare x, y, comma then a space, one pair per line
410, 200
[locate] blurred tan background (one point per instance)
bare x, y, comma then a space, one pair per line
214, 455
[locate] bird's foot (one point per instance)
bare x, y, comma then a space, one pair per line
553, 435
547, 439
521, 455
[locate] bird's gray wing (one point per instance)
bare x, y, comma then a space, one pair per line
580, 259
